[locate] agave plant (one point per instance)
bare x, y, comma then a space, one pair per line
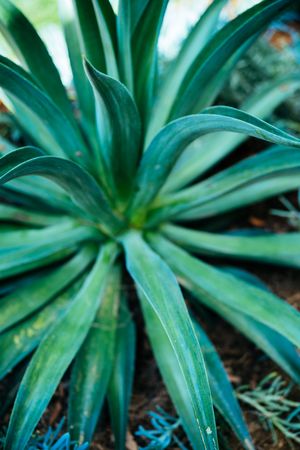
116, 181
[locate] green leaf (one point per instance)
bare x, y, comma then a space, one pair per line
32, 52
28, 298
173, 340
172, 140
235, 293
30, 236
120, 131
93, 365
204, 153
47, 367
19, 341
79, 184
221, 389
89, 33
257, 178
106, 19
144, 56
219, 49
42, 195
19, 215
277, 347
281, 249
121, 380
84, 93
178, 68
45, 121
137, 9
124, 42
16, 260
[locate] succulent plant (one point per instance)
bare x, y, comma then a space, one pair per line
116, 184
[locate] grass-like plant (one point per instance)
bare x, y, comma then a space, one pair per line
105, 182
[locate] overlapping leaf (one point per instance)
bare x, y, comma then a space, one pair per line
93, 365
204, 153
47, 367
120, 385
218, 51
282, 249
221, 389
236, 294
171, 141
80, 185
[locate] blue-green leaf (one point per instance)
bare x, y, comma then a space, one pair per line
177, 70
46, 122
219, 49
172, 140
79, 184
119, 129
93, 365
221, 389
32, 52
47, 367
235, 293
173, 340
26, 299
121, 381
281, 249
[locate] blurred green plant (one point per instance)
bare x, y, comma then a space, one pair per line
291, 212
41, 12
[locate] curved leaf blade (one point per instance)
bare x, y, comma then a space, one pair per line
172, 140
27, 299
18, 342
277, 347
280, 249
188, 384
124, 29
32, 52
267, 166
221, 389
93, 365
192, 46
121, 381
47, 367
107, 25
144, 55
42, 114
219, 50
194, 162
235, 294
78, 183
119, 128
84, 93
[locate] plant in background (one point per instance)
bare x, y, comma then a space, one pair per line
53, 439
291, 212
269, 400
275, 410
100, 192
163, 432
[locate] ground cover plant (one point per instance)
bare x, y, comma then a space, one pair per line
119, 184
